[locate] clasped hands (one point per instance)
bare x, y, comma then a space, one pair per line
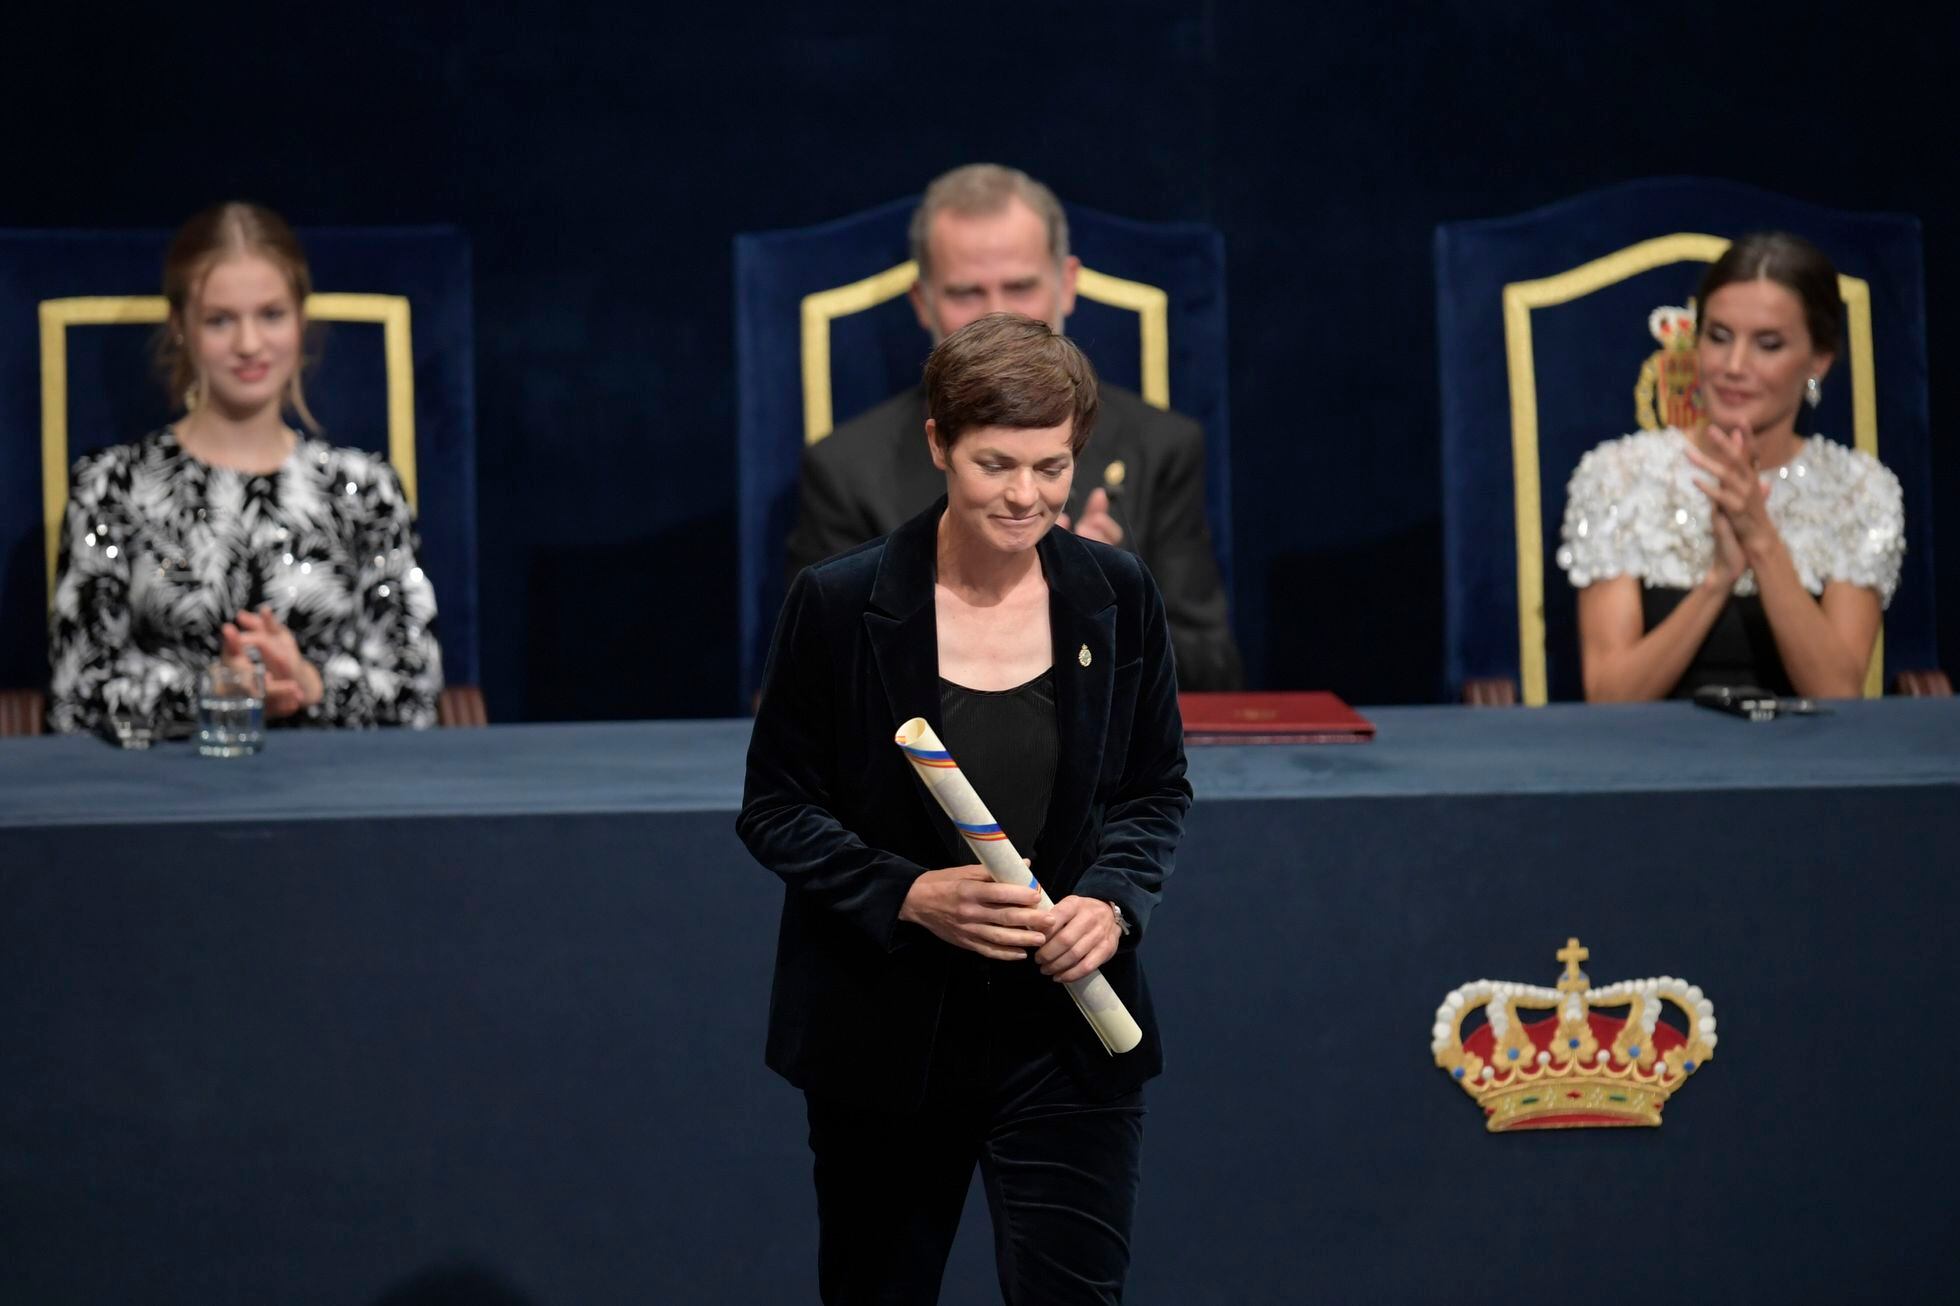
968, 908
291, 682
1738, 503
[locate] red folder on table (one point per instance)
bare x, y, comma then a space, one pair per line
1289, 718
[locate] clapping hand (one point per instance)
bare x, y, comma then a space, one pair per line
1738, 503
1730, 561
1096, 522
291, 682
1734, 488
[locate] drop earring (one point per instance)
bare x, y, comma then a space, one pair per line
1813, 393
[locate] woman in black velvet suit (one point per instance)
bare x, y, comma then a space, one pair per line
918, 1003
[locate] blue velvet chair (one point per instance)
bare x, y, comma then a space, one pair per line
395, 374
1542, 323
823, 331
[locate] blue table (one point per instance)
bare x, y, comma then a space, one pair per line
329, 1024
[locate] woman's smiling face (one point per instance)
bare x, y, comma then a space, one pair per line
1005, 486
1755, 355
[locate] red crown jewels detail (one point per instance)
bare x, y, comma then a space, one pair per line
1577, 1067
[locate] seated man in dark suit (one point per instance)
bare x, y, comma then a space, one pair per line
989, 239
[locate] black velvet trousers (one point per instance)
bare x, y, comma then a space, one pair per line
1060, 1170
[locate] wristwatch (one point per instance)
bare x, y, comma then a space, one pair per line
1122, 921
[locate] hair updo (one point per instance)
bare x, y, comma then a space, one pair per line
1792, 263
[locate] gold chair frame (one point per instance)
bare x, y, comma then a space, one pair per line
390, 312
1150, 303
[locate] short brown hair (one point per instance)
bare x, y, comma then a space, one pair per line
980, 190
1792, 263
1008, 370
218, 233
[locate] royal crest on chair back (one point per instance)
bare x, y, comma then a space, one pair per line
1669, 390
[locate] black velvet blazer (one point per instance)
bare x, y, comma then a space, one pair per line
832, 806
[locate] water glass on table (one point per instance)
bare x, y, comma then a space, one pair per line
231, 709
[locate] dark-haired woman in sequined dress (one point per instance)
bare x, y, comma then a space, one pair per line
1740, 552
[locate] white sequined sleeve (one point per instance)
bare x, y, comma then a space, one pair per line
1872, 547
1596, 540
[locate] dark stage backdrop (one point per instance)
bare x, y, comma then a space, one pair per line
602, 154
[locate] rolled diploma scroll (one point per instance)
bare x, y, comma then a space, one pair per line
1098, 1002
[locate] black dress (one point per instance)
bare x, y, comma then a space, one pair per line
1740, 648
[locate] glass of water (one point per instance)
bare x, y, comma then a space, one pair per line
230, 710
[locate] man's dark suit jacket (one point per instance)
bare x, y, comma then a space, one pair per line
832, 806
874, 471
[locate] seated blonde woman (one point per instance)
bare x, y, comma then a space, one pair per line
228, 534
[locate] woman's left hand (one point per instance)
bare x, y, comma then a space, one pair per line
1084, 937
291, 682
1736, 488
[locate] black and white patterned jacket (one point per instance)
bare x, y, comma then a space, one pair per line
159, 550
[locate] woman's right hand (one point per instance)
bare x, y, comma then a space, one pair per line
968, 908
291, 682
1738, 503
1729, 561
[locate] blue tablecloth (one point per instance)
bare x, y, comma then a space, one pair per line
686, 766
312, 1025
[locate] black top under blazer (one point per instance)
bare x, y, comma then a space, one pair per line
832, 807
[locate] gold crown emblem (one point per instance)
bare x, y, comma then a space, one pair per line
1580, 1067
1669, 390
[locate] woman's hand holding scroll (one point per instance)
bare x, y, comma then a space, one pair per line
1085, 935
968, 908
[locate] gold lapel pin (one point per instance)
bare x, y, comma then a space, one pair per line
1114, 473
1083, 657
